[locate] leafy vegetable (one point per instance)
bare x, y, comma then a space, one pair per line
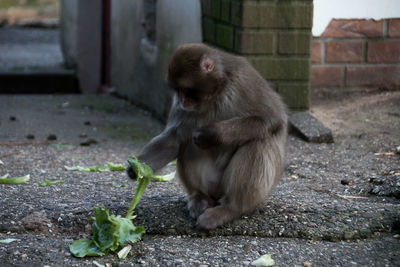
264, 260
118, 185
115, 167
47, 182
108, 167
124, 252
14, 180
87, 169
109, 232
85, 247
164, 178
8, 240
144, 175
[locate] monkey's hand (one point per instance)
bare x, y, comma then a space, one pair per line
131, 173
206, 137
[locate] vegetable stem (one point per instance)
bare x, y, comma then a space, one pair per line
142, 184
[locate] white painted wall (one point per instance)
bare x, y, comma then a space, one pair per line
325, 10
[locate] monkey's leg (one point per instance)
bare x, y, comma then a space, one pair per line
251, 174
197, 201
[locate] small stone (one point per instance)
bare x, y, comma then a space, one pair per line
30, 136
344, 182
89, 142
309, 128
87, 123
52, 137
83, 135
376, 190
307, 264
12, 118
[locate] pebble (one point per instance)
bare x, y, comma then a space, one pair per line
52, 137
344, 182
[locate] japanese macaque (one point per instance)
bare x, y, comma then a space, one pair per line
227, 129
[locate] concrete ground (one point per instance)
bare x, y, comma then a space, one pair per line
337, 204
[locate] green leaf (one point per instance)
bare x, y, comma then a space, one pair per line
264, 260
109, 233
85, 247
164, 178
144, 175
115, 167
103, 230
14, 180
108, 167
8, 240
141, 169
47, 182
124, 252
118, 185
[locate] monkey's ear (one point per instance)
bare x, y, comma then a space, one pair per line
206, 64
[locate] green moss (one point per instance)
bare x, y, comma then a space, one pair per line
94, 102
126, 132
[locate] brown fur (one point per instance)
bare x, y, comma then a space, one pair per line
229, 140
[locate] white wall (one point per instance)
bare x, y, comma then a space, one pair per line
325, 10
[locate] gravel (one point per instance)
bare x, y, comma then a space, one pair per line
312, 217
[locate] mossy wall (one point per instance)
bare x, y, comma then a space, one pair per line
144, 35
275, 35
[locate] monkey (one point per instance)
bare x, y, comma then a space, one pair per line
227, 129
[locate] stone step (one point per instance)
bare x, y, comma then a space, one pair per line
38, 82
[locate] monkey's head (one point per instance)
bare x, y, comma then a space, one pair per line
196, 74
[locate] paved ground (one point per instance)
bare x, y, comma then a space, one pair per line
337, 204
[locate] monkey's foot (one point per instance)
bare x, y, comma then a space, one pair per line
197, 206
214, 217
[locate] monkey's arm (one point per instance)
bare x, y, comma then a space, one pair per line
239, 130
161, 150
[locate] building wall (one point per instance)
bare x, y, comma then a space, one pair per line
68, 24
144, 35
326, 10
274, 35
357, 52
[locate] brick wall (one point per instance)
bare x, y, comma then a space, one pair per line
275, 36
355, 52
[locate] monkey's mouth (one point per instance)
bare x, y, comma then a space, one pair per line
186, 102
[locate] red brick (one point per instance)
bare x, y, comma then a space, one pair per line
387, 76
326, 76
394, 27
344, 52
385, 51
344, 28
316, 52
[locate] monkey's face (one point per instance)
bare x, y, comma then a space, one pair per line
192, 96
191, 75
